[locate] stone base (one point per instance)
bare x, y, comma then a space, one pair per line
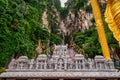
69, 75
60, 79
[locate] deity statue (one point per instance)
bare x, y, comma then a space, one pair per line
31, 63
112, 17
12, 64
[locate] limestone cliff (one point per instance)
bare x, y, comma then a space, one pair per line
72, 22
77, 23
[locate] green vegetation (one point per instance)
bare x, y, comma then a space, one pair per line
88, 41
76, 5
2, 70
21, 28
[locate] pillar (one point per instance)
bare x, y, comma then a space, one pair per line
65, 67
76, 64
55, 65
100, 65
37, 64
41, 64
45, 64
105, 65
83, 64
96, 65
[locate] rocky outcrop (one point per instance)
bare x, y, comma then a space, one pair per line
72, 23
80, 22
44, 19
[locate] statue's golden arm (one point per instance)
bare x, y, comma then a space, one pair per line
100, 28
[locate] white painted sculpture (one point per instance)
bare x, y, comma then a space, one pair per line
61, 65
62, 61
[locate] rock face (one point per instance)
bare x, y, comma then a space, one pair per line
61, 65
80, 21
44, 19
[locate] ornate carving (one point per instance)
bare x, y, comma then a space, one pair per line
61, 65
61, 60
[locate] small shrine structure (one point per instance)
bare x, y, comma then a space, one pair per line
61, 67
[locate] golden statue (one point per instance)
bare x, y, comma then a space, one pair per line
112, 17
